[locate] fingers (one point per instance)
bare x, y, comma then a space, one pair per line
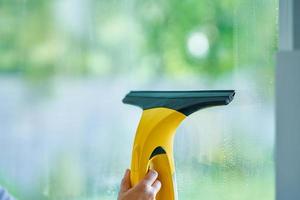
149, 186
156, 186
150, 177
125, 184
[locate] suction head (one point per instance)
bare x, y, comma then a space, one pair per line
186, 102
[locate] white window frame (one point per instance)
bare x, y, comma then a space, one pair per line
288, 102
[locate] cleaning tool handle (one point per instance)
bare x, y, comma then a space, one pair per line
153, 149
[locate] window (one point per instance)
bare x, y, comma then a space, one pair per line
65, 66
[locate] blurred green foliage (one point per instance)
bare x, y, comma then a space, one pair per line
78, 38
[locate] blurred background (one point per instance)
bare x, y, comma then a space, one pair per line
65, 66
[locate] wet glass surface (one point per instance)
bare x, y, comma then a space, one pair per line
65, 66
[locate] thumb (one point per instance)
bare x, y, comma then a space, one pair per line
125, 184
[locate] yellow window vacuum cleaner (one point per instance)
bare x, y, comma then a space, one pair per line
163, 111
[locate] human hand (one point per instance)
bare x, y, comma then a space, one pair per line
146, 189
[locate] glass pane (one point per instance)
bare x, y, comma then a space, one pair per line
65, 66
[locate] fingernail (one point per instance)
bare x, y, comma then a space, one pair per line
126, 172
153, 172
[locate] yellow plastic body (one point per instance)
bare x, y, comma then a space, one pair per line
156, 129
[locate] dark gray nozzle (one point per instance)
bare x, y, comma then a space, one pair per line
185, 102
